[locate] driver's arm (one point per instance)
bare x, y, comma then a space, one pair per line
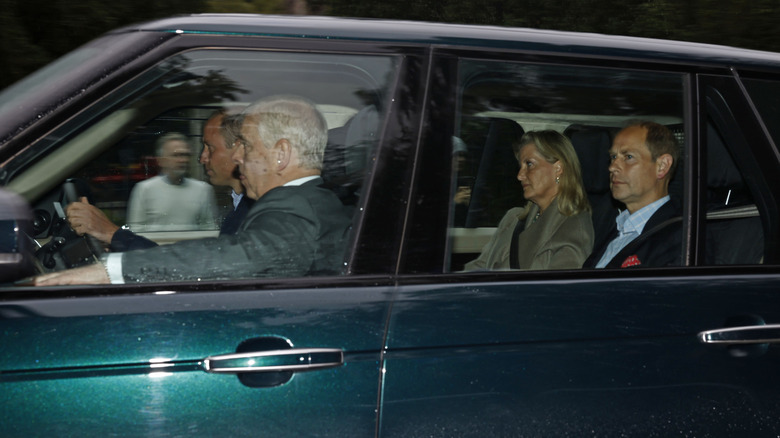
91, 274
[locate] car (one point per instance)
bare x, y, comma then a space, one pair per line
403, 342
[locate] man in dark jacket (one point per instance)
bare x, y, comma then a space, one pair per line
643, 158
296, 227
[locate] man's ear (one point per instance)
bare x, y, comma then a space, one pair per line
283, 153
663, 165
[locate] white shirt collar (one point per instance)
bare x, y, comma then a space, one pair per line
300, 181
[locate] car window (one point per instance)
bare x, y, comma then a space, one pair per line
114, 148
764, 94
734, 230
736, 216
501, 101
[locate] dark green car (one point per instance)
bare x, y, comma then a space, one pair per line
403, 342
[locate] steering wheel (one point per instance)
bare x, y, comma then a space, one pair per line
66, 249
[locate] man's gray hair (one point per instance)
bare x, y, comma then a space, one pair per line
293, 118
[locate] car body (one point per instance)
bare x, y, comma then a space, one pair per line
404, 343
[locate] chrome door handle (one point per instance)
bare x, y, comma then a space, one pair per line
294, 359
751, 334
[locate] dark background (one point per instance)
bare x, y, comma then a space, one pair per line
35, 32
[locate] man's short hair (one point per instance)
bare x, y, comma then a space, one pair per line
293, 118
171, 136
231, 128
230, 125
660, 140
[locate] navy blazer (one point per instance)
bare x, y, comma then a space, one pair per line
125, 240
662, 248
233, 219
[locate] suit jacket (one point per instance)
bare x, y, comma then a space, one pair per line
554, 241
661, 248
232, 220
290, 231
126, 240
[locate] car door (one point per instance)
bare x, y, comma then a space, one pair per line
160, 362
231, 357
616, 352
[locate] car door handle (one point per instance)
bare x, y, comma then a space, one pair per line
294, 359
752, 334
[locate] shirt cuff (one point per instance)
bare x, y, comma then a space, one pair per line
114, 268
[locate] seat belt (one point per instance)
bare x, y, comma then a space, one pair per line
514, 263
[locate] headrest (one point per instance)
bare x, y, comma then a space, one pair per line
347, 153
592, 147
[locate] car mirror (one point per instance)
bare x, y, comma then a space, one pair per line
16, 245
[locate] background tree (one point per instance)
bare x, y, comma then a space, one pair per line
741, 23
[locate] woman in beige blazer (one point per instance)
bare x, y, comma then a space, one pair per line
554, 230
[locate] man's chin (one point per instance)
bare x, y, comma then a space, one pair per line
618, 195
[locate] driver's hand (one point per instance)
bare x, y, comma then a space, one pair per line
92, 274
85, 218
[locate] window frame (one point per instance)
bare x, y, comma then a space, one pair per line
414, 265
379, 222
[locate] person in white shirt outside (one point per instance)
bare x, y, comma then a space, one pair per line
170, 201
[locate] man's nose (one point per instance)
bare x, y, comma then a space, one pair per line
204, 155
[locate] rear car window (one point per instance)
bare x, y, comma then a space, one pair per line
500, 101
765, 94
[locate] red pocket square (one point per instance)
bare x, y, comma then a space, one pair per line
631, 261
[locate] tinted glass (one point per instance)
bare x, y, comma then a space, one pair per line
734, 230
65, 78
114, 148
736, 220
502, 101
765, 95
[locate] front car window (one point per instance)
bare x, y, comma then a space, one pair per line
113, 149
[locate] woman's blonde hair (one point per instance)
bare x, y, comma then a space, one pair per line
554, 146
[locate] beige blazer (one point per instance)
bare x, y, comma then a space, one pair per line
553, 241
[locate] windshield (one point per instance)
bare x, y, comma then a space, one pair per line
42, 92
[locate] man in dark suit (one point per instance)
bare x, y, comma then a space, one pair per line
219, 134
296, 227
647, 233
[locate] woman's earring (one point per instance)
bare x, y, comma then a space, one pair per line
557, 179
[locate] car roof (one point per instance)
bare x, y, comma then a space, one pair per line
456, 35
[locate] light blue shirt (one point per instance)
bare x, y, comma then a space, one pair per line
629, 227
236, 198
